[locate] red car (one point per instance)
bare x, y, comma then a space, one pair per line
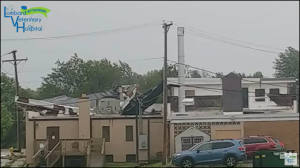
256, 143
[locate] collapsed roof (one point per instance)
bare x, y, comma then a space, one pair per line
145, 100
68, 105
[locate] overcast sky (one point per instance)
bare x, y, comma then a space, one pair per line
273, 24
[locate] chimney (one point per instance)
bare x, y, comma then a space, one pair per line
84, 117
181, 69
232, 94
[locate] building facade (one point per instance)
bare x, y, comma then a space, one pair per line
255, 90
112, 137
189, 130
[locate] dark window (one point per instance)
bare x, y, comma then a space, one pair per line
129, 133
189, 93
260, 93
106, 133
273, 92
221, 145
186, 141
260, 140
248, 141
205, 147
274, 140
109, 158
130, 158
197, 139
254, 141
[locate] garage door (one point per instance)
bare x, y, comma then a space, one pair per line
224, 134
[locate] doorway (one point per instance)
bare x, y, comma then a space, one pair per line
52, 136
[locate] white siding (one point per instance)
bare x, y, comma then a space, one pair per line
216, 89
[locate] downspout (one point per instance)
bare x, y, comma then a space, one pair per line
136, 133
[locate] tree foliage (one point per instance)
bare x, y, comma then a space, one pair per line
287, 63
7, 102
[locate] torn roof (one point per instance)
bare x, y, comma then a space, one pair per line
69, 101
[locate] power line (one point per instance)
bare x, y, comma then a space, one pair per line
7, 53
38, 70
245, 42
224, 75
227, 42
85, 34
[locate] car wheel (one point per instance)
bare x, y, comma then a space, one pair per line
187, 162
230, 161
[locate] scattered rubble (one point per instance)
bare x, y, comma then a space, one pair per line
15, 160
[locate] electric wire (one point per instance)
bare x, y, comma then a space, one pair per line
86, 34
224, 75
216, 35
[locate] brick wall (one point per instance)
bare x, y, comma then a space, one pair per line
285, 131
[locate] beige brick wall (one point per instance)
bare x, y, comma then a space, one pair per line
285, 131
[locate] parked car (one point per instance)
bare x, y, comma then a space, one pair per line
260, 142
226, 152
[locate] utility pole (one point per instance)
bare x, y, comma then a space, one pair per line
15, 64
166, 28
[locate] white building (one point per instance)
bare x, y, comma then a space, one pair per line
257, 90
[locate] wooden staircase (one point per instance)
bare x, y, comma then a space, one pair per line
49, 157
96, 158
92, 148
54, 155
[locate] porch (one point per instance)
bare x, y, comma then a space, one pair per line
91, 152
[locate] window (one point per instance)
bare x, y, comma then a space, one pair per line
274, 140
131, 158
260, 140
186, 141
189, 93
248, 141
254, 141
261, 94
197, 140
106, 133
129, 133
273, 92
221, 145
205, 147
109, 158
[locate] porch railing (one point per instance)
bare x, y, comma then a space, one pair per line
54, 155
103, 152
37, 156
75, 145
88, 155
67, 147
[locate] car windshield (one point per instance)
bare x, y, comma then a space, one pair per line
275, 140
195, 147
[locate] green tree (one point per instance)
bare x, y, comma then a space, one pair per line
287, 63
7, 104
195, 74
76, 76
257, 74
